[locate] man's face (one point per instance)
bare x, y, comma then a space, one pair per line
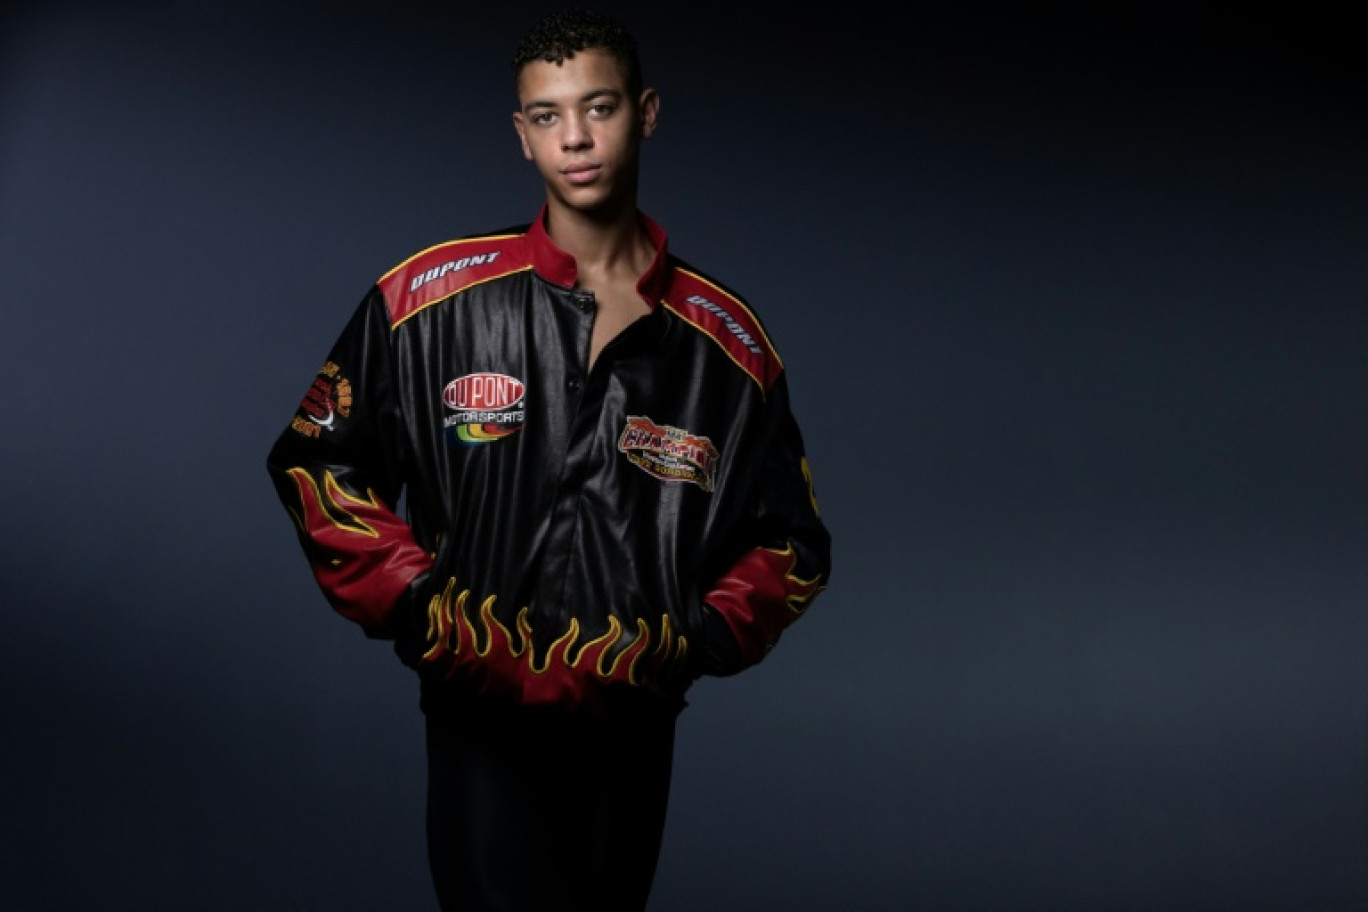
582, 130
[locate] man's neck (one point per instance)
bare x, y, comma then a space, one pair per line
614, 244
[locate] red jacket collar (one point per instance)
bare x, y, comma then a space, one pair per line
555, 265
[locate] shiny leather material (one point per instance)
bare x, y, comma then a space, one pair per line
570, 532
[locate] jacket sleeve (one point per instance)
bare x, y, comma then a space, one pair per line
785, 558
338, 470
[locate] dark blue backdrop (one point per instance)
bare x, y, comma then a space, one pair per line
1076, 313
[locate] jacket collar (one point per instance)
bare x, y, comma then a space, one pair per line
555, 265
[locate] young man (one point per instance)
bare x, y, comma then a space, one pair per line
607, 498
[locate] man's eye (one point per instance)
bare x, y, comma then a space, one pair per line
543, 118
601, 110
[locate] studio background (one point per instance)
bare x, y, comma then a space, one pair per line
1075, 311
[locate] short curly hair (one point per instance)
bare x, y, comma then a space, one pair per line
561, 34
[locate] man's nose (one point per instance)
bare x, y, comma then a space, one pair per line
576, 135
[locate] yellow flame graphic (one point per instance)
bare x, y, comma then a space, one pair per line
333, 503
801, 591
450, 630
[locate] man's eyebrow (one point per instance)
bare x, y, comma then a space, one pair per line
587, 96
595, 93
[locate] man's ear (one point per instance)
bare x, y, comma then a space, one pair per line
649, 106
521, 126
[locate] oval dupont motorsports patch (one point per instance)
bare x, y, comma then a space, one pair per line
487, 407
490, 392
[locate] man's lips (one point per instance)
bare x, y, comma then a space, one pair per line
580, 174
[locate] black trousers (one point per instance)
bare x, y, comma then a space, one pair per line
534, 810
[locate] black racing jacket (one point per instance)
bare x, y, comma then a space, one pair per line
573, 537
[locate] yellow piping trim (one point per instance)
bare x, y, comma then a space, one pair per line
750, 373
427, 304
452, 243
741, 304
812, 492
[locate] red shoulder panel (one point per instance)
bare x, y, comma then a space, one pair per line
439, 272
726, 319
